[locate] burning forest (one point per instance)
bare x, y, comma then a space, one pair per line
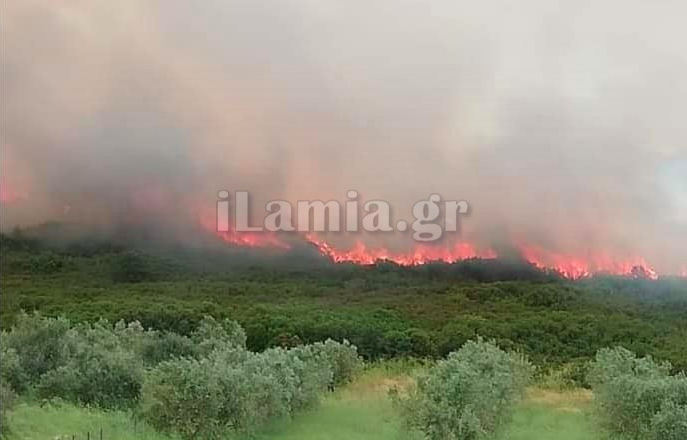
571, 161
343, 219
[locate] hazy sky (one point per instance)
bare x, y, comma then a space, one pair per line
562, 123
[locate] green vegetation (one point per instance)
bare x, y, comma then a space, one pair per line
637, 397
232, 392
469, 395
212, 388
177, 342
385, 310
59, 420
552, 414
359, 410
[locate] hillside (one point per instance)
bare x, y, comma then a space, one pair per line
385, 310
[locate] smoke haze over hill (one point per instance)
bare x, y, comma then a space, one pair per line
561, 123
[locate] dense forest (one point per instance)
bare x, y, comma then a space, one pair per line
385, 310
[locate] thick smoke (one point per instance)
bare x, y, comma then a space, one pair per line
561, 123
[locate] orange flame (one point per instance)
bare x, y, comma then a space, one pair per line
575, 267
568, 265
571, 267
422, 254
262, 239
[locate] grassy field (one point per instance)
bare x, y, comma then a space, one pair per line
552, 414
361, 410
67, 421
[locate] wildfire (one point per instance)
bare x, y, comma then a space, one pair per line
575, 267
568, 265
571, 267
263, 239
363, 255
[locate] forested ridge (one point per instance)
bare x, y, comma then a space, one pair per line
385, 310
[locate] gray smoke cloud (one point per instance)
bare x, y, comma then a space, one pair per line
562, 123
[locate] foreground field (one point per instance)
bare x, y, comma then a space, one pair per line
67, 421
361, 410
553, 414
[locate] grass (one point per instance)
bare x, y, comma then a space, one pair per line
551, 414
341, 418
361, 410
67, 421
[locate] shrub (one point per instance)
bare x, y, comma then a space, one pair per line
232, 392
314, 374
637, 398
614, 363
468, 395
670, 422
11, 372
183, 395
165, 346
211, 335
99, 371
7, 398
229, 393
153, 346
343, 359
39, 345
206, 385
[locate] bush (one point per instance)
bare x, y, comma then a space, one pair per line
232, 391
183, 395
7, 398
38, 345
637, 398
206, 385
100, 369
343, 359
211, 335
165, 346
670, 422
153, 346
468, 395
314, 374
11, 373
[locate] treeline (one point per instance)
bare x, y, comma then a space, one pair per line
204, 385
